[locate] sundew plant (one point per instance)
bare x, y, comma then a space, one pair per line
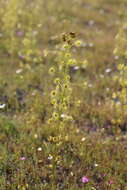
61, 94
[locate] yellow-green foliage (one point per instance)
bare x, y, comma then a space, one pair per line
120, 96
20, 25
10, 20
10, 17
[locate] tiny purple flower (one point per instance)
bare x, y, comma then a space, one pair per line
21, 57
23, 158
103, 175
110, 182
19, 33
85, 179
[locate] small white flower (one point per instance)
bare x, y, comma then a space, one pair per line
90, 85
84, 44
50, 157
72, 173
91, 44
18, 71
76, 68
63, 115
33, 93
39, 149
95, 165
2, 106
118, 103
116, 57
83, 139
35, 32
108, 70
91, 22
99, 103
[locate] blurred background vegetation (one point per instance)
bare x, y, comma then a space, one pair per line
30, 40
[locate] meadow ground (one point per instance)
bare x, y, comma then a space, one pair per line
84, 146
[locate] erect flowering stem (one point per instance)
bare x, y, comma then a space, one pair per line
61, 95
